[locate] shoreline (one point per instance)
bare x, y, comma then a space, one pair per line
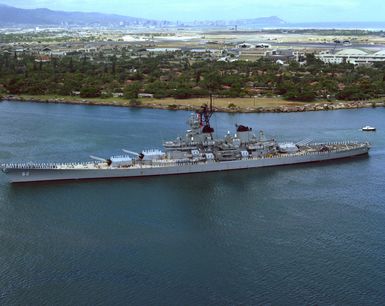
283, 107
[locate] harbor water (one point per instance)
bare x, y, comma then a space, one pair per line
303, 234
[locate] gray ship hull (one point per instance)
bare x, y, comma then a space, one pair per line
26, 174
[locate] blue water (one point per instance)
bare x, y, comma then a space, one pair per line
310, 234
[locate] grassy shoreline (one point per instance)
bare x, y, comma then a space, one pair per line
241, 105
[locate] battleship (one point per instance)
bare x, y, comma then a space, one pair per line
198, 151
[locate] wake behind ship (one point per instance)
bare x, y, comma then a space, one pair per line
196, 152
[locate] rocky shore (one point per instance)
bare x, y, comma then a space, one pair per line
316, 106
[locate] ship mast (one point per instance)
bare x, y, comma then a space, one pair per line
205, 114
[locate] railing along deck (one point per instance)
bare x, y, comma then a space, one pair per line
339, 147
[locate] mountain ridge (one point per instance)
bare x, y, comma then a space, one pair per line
10, 15
13, 16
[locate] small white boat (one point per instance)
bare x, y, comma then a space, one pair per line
368, 128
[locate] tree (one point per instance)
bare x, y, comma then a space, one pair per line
212, 81
311, 60
158, 89
305, 94
131, 91
349, 93
182, 93
90, 92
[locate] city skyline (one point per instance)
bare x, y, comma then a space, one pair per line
175, 10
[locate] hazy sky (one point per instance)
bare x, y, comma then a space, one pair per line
289, 10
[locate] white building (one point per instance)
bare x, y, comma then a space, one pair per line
352, 56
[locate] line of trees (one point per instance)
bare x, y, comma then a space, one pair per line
174, 75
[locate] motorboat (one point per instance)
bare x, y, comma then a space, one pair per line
368, 128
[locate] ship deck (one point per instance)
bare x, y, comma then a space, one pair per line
307, 150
